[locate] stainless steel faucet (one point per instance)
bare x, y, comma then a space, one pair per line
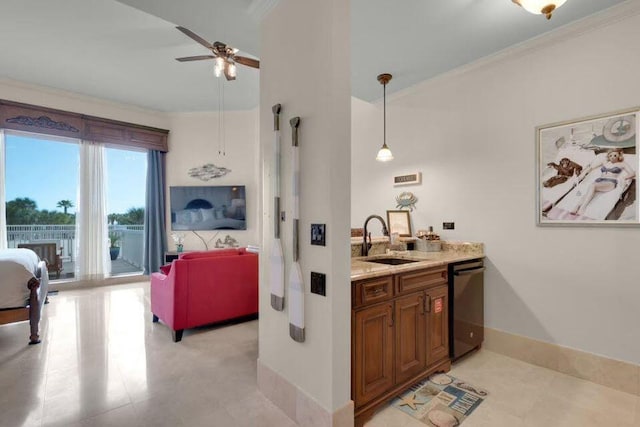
366, 246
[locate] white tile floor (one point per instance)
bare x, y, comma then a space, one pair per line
103, 363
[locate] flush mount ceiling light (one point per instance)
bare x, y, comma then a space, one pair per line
540, 7
384, 155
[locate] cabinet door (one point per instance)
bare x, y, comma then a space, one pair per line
411, 336
373, 346
437, 324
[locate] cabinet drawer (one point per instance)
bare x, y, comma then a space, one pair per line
421, 279
372, 291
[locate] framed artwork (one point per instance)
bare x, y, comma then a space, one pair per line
399, 222
586, 171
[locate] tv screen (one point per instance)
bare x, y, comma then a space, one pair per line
208, 208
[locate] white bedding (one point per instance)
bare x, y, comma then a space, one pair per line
210, 224
17, 267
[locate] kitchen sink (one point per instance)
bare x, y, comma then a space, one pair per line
391, 261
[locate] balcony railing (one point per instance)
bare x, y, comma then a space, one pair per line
130, 242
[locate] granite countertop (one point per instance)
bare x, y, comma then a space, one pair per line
452, 252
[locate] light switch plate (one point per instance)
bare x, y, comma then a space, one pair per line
318, 233
318, 283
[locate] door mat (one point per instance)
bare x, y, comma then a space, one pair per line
441, 400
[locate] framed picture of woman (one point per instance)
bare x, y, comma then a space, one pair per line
399, 222
587, 170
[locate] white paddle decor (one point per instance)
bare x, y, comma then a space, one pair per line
276, 259
296, 285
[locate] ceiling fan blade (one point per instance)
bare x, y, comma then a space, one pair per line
249, 62
195, 37
195, 58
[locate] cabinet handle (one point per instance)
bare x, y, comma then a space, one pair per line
427, 304
393, 315
422, 305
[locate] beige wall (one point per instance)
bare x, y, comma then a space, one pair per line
193, 142
471, 134
305, 67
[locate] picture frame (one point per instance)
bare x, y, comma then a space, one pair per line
399, 222
408, 179
586, 171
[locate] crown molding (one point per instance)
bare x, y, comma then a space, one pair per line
605, 18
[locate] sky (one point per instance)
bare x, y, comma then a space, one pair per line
47, 171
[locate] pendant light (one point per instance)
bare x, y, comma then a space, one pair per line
540, 7
384, 155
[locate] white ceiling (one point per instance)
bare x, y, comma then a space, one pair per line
113, 50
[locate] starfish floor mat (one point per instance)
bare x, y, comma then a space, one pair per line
441, 400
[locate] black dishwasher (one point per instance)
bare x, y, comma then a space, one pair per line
466, 307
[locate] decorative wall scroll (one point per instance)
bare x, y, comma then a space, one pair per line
208, 172
43, 122
587, 170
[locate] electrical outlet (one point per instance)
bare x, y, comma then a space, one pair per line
448, 225
318, 283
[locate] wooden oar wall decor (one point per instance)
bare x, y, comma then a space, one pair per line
296, 283
276, 259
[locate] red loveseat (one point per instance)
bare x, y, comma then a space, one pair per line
200, 288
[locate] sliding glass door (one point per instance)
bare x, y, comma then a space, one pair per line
41, 185
126, 184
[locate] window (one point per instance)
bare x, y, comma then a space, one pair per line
41, 187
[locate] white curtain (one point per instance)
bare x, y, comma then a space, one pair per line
3, 198
92, 252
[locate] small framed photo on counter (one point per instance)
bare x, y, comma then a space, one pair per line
399, 222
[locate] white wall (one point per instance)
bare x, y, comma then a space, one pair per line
194, 142
471, 134
305, 67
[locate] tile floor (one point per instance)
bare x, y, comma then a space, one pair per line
103, 363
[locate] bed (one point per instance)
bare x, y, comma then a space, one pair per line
600, 206
24, 282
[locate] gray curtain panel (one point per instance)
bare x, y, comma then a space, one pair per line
155, 234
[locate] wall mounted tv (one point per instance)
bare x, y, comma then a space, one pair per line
208, 208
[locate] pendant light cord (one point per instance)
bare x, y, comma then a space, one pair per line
384, 113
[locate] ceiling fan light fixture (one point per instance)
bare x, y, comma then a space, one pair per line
384, 154
233, 72
540, 7
218, 66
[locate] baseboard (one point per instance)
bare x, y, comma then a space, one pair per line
297, 405
616, 374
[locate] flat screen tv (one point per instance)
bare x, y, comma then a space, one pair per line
208, 208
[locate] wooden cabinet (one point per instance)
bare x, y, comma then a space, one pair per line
411, 336
437, 324
399, 335
373, 351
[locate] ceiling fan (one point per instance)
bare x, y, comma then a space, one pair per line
225, 56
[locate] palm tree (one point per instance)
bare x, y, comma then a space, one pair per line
65, 204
